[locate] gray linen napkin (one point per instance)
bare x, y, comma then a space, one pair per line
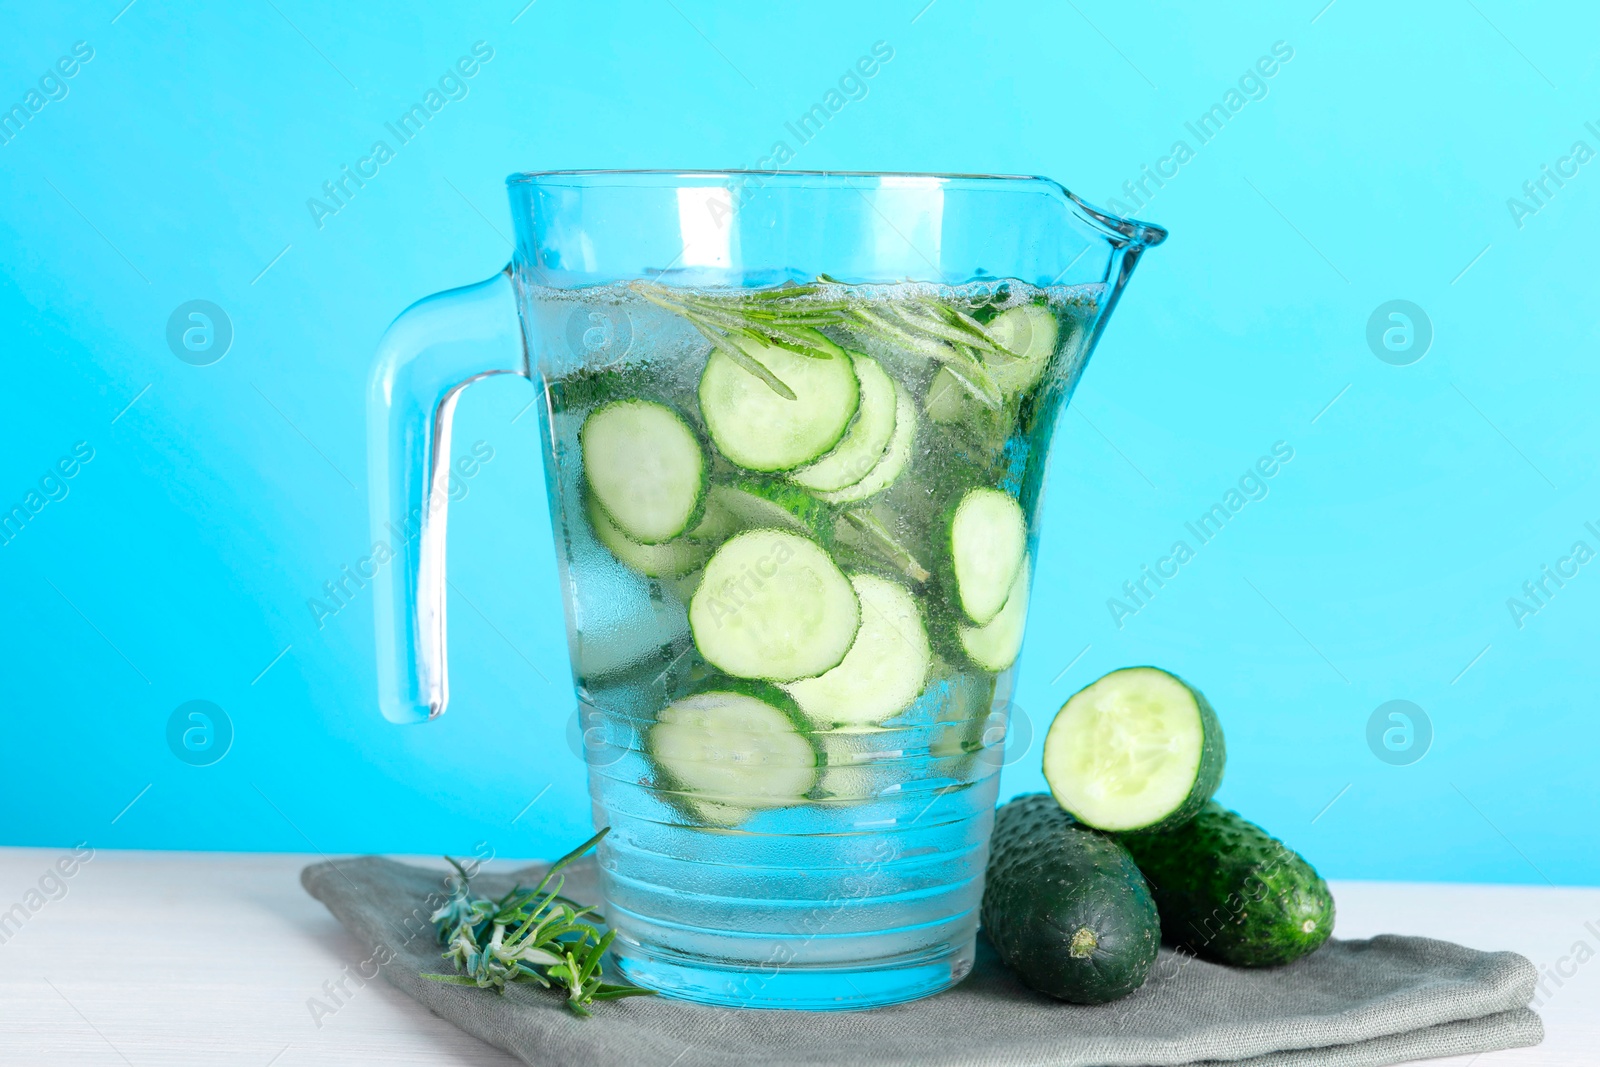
1350, 1004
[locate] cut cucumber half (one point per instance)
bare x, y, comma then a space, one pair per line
1137, 750
729, 753
760, 430
1030, 333
866, 440
772, 605
994, 647
667, 560
645, 467
894, 458
885, 669
988, 538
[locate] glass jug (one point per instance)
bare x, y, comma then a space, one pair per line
795, 434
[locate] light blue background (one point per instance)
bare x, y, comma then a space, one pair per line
1377, 167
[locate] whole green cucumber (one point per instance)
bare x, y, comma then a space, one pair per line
1229, 891
1065, 906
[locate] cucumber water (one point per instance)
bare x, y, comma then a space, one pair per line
797, 583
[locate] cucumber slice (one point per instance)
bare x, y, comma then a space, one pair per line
772, 605
994, 647
645, 467
1030, 333
946, 401
1137, 750
760, 430
728, 753
667, 560
988, 538
866, 440
885, 668
894, 459
767, 504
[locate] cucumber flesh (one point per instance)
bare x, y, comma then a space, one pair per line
729, 753
772, 605
759, 429
988, 538
667, 560
946, 400
885, 668
994, 647
1030, 333
645, 467
1137, 750
866, 440
894, 459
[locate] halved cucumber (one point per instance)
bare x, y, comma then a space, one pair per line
728, 753
994, 647
645, 467
1030, 333
988, 538
867, 439
894, 458
1139, 749
760, 430
772, 605
885, 668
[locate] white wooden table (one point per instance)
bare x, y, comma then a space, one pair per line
173, 959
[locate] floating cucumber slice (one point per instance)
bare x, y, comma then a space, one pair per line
728, 753
667, 560
946, 401
760, 430
866, 440
885, 668
645, 467
845, 775
994, 647
768, 504
772, 605
894, 459
1137, 750
1030, 332
988, 538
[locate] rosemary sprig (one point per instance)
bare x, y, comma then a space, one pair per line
792, 317
534, 935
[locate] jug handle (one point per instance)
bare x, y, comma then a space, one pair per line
437, 347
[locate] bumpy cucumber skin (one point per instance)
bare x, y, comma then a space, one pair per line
1231, 892
1050, 879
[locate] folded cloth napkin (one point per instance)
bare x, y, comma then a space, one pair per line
1350, 1004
